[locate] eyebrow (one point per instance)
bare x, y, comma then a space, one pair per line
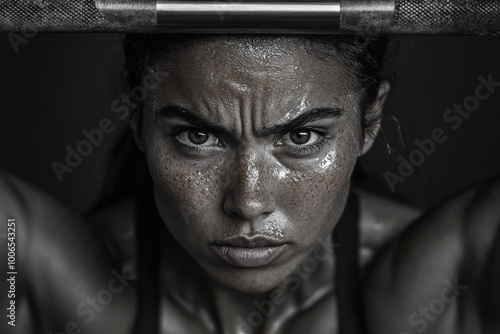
314, 114
174, 111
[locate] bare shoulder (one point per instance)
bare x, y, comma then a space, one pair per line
436, 269
62, 266
382, 221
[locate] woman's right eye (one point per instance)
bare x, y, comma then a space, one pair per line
197, 138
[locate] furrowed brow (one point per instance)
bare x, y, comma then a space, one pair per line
310, 115
174, 111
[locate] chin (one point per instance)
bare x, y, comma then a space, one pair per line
249, 281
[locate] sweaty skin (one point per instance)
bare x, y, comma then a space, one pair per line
249, 179
223, 166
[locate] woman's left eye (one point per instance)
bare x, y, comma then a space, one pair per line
301, 137
304, 140
197, 138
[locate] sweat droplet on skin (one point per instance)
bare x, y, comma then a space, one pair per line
273, 230
328, 161
224, 82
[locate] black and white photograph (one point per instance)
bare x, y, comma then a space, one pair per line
250, 167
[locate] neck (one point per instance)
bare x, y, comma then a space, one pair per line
236, 312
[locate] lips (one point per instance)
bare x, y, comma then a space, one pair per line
248, 252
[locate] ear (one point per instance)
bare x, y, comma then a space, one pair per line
374, 113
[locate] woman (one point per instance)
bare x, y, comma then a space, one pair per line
250, 144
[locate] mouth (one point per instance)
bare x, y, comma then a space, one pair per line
246, 252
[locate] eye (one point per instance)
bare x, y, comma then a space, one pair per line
197, 137
301, 137
304, 141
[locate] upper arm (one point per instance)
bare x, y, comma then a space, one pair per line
447, 249
60, 264
485, 231
13, 206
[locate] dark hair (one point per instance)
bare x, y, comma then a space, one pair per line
365, 56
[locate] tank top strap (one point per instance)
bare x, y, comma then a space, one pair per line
148, 261
347, 275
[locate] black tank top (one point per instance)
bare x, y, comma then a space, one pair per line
347, 278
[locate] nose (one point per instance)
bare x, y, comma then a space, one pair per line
250, 191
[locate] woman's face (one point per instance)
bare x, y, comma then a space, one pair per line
251, 149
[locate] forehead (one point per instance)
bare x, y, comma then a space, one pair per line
281, 75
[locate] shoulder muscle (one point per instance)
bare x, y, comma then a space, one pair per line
61, 264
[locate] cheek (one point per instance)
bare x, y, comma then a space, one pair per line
315, 196
186, 192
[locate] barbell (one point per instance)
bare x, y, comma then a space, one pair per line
426, 17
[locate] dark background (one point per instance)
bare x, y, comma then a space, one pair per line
56, 85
